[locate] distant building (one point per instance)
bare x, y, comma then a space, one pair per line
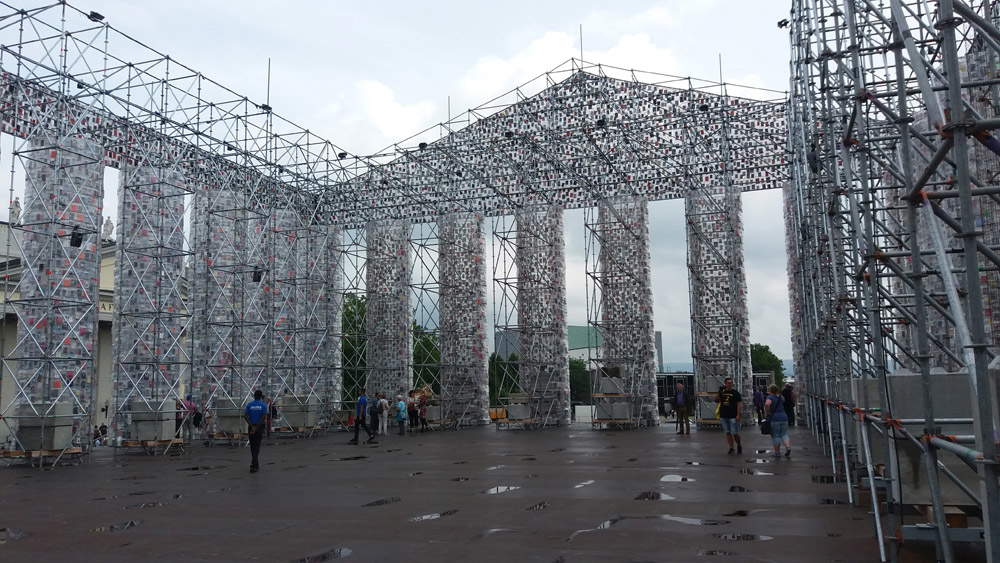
584, 342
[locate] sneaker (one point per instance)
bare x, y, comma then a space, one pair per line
788, 452
253, 470
739, 449
730, 452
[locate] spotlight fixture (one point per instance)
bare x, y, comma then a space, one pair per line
76, 238
341, 155
265, 107
783, 23
95, 17
422, 146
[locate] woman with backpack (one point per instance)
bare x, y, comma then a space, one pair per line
778, 418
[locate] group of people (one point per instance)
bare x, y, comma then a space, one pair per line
778, 409
372, 414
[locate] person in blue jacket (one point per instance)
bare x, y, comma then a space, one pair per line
360, 412
401, 414
256, 414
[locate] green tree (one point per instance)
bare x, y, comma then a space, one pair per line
503, 377
353, 345
763, 359
579, 381
426, 359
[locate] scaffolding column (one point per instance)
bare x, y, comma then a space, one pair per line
55, 298
464, 376
388, 319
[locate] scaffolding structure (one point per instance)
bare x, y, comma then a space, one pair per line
619, 308
254, 254
892, 233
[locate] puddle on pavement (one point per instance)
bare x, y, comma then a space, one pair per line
748, 471
495, 467
432, 516
492, 531
221, 490
739, 489
463, 462
583, 484
501, 489
531, 475
633, 459
742, 537
202, 468
676, 479
141, 493
177, 496
608, 524
382, 501
389, 451
11, 534
415, 473
119, 527
143, 505
529, 459
135, 478
833, 535
832, 501
295, 467
653, 495
558, 450
538, 506
351, 458
709, 552
329, 555
459, 479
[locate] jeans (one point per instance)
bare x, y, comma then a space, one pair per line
256, 432
730, 425
358, 424
383, 423
402, 426
683, 420
779, 432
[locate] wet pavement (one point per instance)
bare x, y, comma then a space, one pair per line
479, 495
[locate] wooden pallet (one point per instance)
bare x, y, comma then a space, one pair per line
34, 454
954, 516
151, 443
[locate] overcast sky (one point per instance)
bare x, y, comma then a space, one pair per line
365, 74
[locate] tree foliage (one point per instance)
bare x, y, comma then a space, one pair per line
579, 381
763, 359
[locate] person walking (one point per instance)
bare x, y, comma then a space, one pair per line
758, 403
383, 414
730, 402
256, 414
779, 422
360, 412
422, 410
401, 414
190, 409
411, 410
788, 394
682, 403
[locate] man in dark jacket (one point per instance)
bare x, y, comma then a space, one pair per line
788, 394
683, 404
